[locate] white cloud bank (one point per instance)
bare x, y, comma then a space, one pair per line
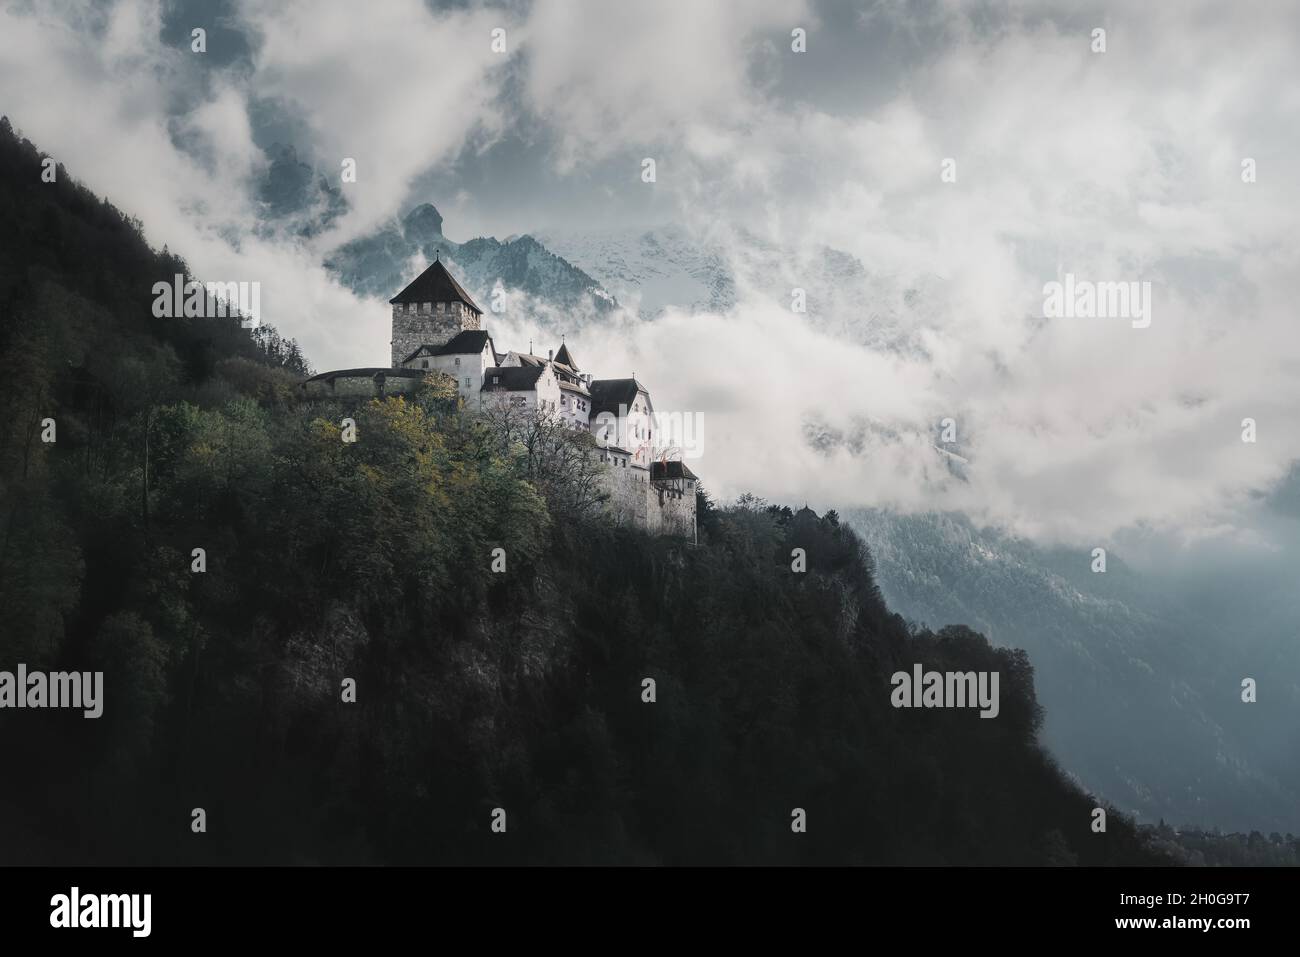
1116, 166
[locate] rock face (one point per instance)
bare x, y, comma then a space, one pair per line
423, 224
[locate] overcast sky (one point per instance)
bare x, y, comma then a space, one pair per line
1117, 166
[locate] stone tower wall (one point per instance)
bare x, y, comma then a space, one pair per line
435, 323
672, 508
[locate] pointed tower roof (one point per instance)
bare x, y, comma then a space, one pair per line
435, 284
565, 356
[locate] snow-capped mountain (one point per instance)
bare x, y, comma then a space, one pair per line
650, 270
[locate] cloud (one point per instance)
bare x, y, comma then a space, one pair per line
394, 86
607, 77
1122, 166
819, 170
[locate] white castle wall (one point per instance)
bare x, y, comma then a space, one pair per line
467, 370
545, 395
575, 408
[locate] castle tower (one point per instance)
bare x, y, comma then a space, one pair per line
430, 311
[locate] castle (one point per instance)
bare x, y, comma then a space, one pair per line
437, 327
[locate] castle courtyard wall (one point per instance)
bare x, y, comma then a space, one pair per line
362, 383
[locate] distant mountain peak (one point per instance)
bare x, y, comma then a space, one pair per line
423, 224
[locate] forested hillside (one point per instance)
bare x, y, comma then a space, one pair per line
475, 689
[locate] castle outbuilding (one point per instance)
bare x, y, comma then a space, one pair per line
436, 329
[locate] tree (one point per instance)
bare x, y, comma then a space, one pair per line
134, 663
561, 462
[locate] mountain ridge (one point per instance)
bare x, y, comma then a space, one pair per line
540, 282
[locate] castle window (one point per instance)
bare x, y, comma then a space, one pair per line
424, 363
458, 362
467, 382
